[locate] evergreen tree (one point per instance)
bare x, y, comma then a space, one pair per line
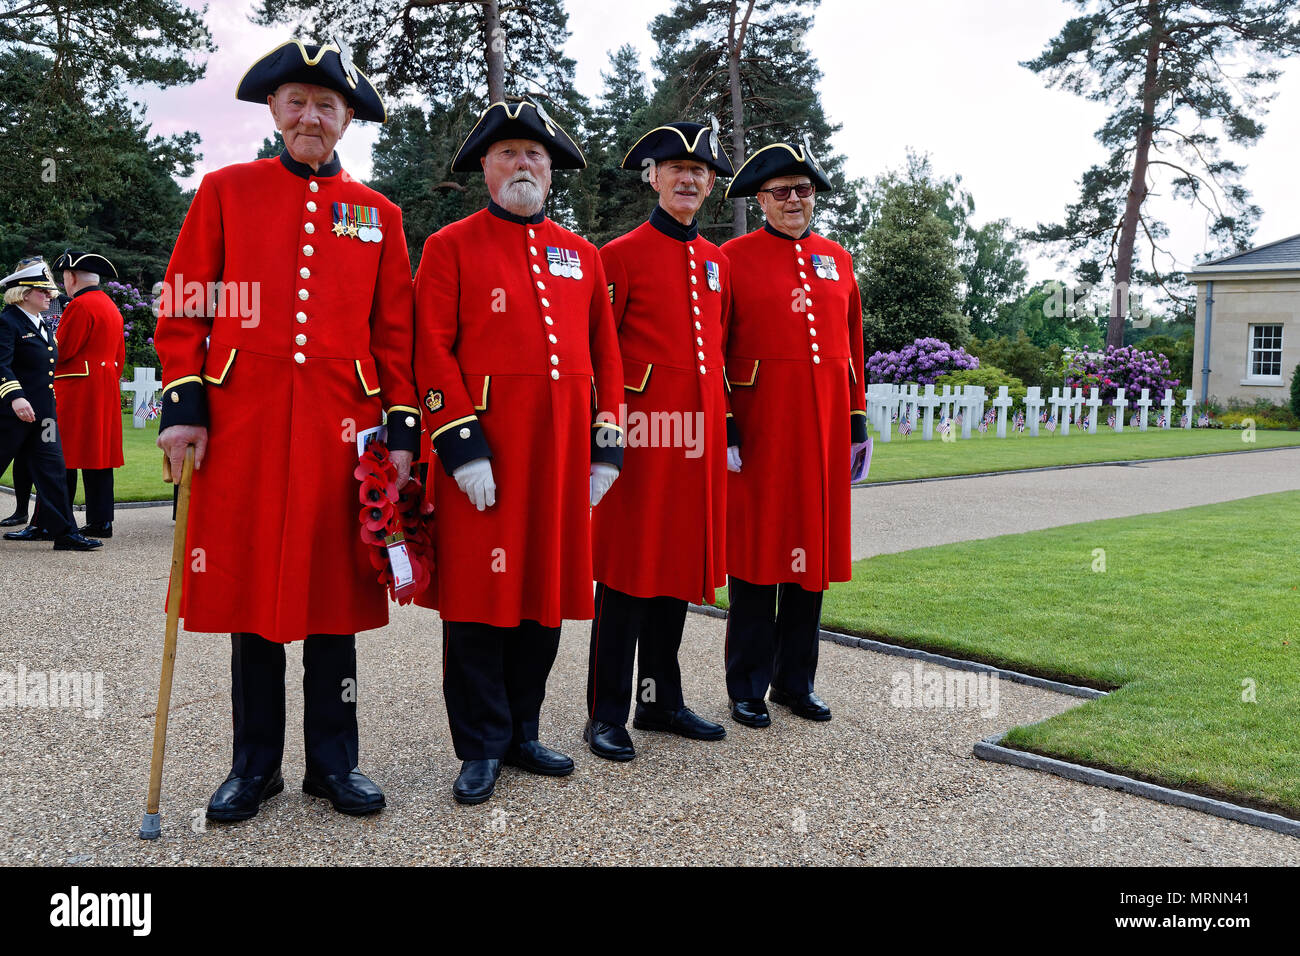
777, 79
1174, 73
619, 120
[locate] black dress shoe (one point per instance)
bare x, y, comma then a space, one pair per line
103, 529
751, 713
532, 756
607, 740
14, 520
352, 793
74, 541
477, 780
807, 706
239, 797
30, 533
683, 722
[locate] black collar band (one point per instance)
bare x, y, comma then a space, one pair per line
89, 288
502, 213
303, 171
671, 228
781, 235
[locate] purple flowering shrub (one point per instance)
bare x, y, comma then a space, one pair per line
922, 362
1126, 368
138, 324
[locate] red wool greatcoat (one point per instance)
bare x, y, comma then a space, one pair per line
794, 363
660, 531
88, 381
516, 357
311, 342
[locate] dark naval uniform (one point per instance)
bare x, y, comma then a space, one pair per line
28, 356
799, 403
283, 382
658, 537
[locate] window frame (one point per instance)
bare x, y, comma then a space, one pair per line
1251, 377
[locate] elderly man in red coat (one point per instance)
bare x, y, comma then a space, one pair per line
87, 384
309, 341
658, 536
517, 364
799, 402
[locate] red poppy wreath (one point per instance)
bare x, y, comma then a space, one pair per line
395, 524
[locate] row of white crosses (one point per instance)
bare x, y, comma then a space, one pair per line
917, 404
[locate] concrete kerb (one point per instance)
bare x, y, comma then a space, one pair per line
1081, 464
116, 504
991, 749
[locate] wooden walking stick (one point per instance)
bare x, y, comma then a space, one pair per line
151, 827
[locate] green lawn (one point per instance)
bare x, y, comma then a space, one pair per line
910, 457
1194, 609
139, 479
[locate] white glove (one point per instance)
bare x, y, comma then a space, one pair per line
733, 458
475, 479
602, 477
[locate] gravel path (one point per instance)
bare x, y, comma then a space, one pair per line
901, 517
879, 784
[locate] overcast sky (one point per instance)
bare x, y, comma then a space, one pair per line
939, 76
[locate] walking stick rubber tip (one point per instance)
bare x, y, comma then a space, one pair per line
151, 828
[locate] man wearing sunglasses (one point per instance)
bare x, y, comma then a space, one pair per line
794, 365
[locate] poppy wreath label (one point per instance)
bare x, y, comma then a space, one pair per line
395, 525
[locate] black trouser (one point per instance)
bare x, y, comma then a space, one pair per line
329, 686
772, 638
494, 682
39, 443
650, 628
22, 478
99, 496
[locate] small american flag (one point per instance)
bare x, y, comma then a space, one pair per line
945, 426
1182, 422
1051, 424
958, 421
1083, 421
1203, 421
1111, 421
1162, 422
1042, 418
905, 427
1019, 421
983, 426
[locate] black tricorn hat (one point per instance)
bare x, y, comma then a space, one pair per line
779, 159
85, 262
329, 65
522, 120
680, 141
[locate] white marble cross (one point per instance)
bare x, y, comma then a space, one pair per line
1144, 406
1002, 403
1189, 405
144, 387
1076, 403
965, 402
1120, 404
1167, 403
1094, 409
927, 403
945, 402
1033, 408
1057, 403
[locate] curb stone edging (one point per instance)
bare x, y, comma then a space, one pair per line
990, 749
1067, 467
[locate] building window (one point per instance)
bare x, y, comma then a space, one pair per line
1265, 358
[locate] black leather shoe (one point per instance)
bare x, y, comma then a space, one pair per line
477, 780
239, 797
352, 793
102, 530
30, 533
751, 713
807, 706
683, 722
607, 740
74, 541
532, 756
14, 520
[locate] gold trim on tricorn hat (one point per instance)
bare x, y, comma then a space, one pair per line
522, 120
680, 141
329, 65
778, 159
